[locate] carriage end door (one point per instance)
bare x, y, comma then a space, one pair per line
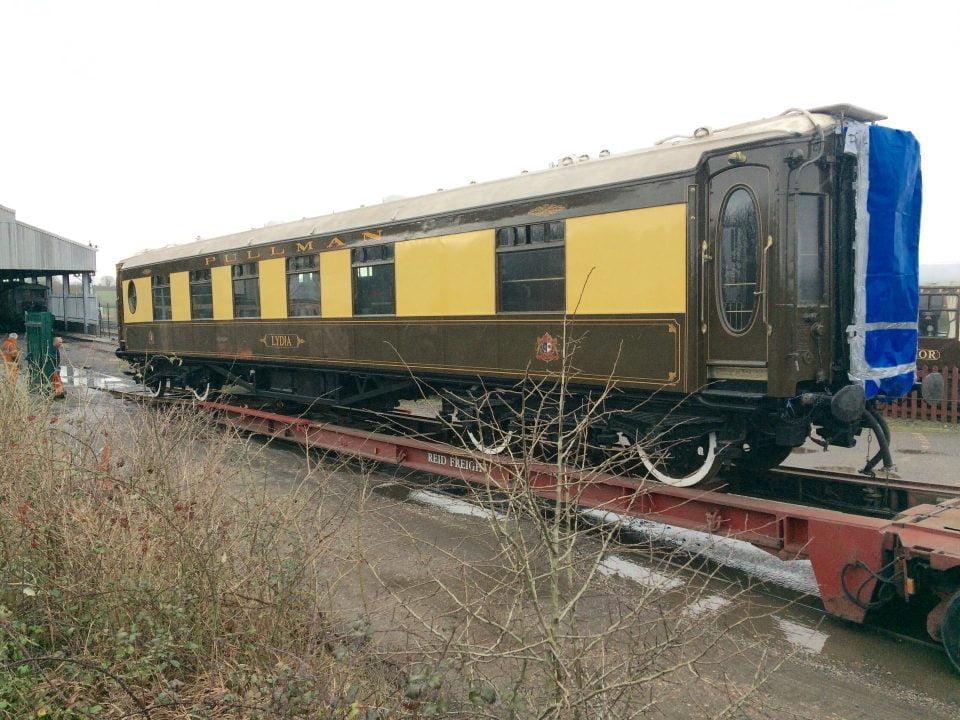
735, 265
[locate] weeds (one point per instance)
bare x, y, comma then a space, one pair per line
153, 565
140, 577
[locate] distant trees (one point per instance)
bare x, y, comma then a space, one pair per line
105, 281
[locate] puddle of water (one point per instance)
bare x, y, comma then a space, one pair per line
801, 636
793, 574
81, 377
647, 577
452, 505
393, 490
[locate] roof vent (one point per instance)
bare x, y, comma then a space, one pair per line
568, 160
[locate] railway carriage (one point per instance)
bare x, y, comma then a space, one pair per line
732, 290
939, 330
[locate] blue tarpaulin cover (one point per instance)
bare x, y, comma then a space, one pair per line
883, 338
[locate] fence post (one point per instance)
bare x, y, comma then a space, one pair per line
954, 391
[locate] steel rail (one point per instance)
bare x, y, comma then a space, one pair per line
887, 483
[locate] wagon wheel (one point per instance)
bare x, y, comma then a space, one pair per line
683, 462
950, 630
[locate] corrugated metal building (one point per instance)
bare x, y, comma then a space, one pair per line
31, 255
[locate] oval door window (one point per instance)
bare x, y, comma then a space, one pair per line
739, 241
132, 297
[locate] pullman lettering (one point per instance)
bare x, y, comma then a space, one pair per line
294, 247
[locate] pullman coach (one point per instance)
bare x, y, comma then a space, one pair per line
729, 293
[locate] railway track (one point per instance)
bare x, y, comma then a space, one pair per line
875, 544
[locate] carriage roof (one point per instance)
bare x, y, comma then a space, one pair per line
671, 156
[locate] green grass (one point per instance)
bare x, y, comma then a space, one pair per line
106, 296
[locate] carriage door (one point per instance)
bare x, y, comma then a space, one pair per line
734, 261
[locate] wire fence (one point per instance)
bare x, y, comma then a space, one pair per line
108, 321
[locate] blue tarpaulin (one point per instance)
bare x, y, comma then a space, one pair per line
883, 337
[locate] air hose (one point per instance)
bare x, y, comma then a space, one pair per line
882, 432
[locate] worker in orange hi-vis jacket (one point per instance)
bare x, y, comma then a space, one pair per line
11, 356
58, 391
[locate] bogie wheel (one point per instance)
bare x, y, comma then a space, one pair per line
950, 630
487, 436
200, 394
683, 462
156, 385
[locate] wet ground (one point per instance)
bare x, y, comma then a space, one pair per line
925, 451
828, 668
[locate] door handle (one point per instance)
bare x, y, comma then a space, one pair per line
763, 276
704, 259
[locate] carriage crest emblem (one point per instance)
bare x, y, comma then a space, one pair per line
547, 350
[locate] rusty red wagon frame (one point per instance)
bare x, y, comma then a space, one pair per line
917, 550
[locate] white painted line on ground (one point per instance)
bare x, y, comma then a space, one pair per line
802, 636
705, 606
652, 579
452, 505
794, 574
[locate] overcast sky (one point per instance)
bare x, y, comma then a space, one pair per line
141, 124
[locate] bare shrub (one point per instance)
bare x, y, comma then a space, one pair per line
143, 575
531, 622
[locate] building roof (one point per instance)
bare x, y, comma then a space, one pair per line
675, 155
28, 249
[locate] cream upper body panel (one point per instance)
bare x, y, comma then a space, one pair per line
672, 156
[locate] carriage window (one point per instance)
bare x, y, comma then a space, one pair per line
373, 280
246, 291
738, 266
201, 295
810, 239
530, 268
132, 296
938, 315
303, 286
161, 297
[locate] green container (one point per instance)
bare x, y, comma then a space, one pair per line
41, 356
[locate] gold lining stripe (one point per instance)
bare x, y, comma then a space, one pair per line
387, 363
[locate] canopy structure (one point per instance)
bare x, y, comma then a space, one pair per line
31, 255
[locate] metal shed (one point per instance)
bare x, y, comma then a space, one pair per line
31, 255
